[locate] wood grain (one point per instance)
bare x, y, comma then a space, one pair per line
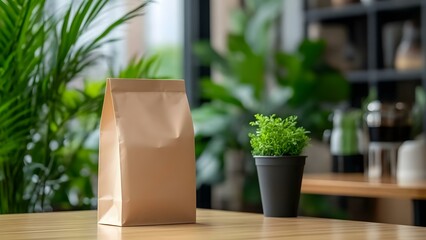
359, 185
211, 224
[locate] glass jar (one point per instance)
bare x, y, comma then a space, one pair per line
389, 124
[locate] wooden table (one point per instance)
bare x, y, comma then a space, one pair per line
355, 184
211, 224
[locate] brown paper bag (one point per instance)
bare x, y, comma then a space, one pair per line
146, 154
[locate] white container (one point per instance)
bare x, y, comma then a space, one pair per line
412, 161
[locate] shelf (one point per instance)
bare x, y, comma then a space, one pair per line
358, 76
364, 76
394, 75
335, 13
355, 10
396, 5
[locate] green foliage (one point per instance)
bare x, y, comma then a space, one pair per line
321, 206
255, 77
45, 126
309, 77
230, 102
145, 67
277, 137
171, 61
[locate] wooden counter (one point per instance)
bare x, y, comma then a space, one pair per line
211, 224
356, 184
347, 184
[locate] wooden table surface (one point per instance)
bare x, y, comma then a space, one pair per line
358, 185
211, 224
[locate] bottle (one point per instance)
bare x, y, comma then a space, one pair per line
347, 142
409, 51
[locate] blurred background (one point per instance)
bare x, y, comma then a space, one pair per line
353, 71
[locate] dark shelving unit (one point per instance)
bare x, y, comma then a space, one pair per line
375, 16
392, 85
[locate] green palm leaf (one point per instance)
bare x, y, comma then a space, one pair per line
40, 54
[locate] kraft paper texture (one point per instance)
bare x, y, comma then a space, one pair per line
146, 154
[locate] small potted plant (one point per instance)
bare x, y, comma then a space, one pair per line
276, 147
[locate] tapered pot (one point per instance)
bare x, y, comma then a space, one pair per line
280, 179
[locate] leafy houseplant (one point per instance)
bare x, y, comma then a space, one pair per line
45, 123
277, 145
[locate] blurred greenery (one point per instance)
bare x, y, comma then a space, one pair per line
48, 152
171, 61
321, 206
257, 77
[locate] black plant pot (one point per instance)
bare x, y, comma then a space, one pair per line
280, 179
